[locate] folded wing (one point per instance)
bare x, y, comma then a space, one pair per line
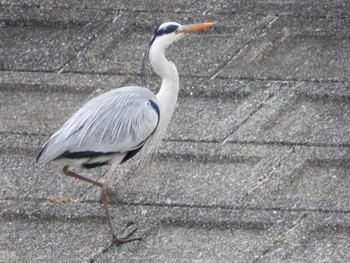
118, 121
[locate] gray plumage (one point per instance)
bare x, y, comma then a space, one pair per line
118, 121
114, 126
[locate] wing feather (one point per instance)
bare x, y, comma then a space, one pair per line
117, 121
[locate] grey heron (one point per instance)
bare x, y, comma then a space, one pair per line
112, 127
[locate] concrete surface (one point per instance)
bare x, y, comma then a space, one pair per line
254, 167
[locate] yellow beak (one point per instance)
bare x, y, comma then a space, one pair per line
195, 27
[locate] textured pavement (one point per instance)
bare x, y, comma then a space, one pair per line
254, 167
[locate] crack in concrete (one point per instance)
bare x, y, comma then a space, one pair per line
146, 204
33, 150
267, 79
287, 79
104, 26
241, 50
230, 60
279, 239
250, 115
265, 178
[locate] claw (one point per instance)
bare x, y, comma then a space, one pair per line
120, 241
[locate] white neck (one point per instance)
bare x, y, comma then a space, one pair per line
169, 90
166, 98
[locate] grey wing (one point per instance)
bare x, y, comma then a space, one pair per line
117, 121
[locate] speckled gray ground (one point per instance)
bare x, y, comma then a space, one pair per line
254, 167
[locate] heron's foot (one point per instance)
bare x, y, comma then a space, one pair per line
123, 240
110, 196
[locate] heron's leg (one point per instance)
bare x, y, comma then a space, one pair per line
77, 176
111, 195
104, 192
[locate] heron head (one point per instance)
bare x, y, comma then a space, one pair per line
170, 32
166, 34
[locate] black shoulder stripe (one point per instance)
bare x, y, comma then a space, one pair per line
155, 107
132, 153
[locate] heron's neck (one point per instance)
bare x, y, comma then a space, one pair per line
167, 95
